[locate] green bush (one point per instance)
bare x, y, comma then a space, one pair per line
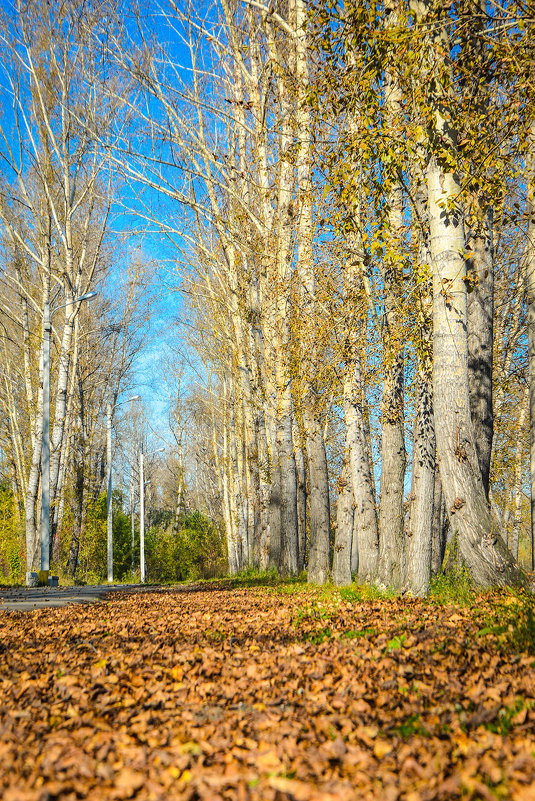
196, 550
12, 558
93, 551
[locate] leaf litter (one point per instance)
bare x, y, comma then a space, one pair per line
248, 694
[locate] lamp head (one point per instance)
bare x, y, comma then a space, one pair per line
87, 296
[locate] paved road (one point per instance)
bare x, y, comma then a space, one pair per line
25, 599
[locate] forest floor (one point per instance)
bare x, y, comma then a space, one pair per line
269, 694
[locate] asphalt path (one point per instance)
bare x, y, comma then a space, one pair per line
26, 599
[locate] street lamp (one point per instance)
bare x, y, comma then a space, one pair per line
45, 441
109, 412
142, 511
132, 507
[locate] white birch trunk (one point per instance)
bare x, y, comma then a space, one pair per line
419, 533
32, 486
480, 544
530, 291
319, 514
480, 313
365, 531
361, 477
301, 499
393, 454
480, 259
229, 514
440, 526
341, 571
420, 526
518, 499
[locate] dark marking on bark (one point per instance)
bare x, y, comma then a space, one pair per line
458, 503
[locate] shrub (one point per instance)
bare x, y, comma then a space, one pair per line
12, 559
196, 550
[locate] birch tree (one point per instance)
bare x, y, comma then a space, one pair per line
480, 542
319, 517
59, 180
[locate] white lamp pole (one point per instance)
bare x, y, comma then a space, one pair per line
141, 518
132, 505
45, 442
109, 509
142, 511
45, 446
109, 413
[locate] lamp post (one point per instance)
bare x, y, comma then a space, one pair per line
142, 511
45, 441
133, 503
132, 514
109, 509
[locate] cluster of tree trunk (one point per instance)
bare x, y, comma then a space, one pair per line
343, 210
342, 190
54, 231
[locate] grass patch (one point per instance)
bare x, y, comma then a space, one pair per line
411, 726
252, 577
358, 593
355, 635
270, 579
395, 644
455, 586
317, 637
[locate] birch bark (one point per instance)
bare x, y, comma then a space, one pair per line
480, 543
518, 491
341, 572
356, 297
393, 454
300, 466
419, 533
354, 400
480, 261
530, 292
440, 526
319, 513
